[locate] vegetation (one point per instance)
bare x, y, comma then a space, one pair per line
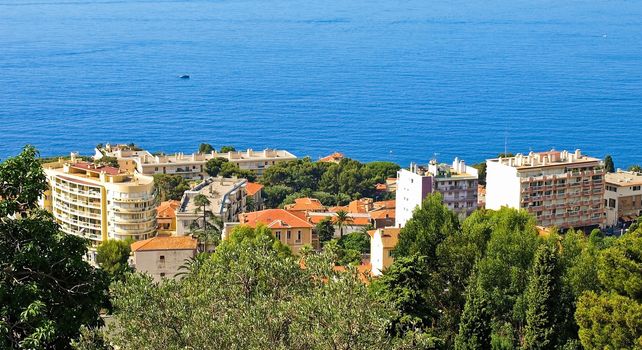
170, 187
47, 291
205, 148
332, 184
325, 230
222, 167
113, 257
609, 166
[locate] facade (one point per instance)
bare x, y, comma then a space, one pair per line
191, 166
623, 197
166, 217
100, 202
287, 227
558, 188
227, 198
457, 184
382, 243
254, 192
161, 257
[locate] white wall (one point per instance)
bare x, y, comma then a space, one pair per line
408, 197
376, 253
502, 186
150, 262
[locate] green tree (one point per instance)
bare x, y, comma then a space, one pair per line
275, 195
170, 187
47, 291
213, 166
475, 328
113, 257
205, 148
226, 149
325, 230
543, 297
202, 204
357, 240
609, 167
635, 168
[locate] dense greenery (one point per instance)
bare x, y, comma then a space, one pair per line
609, 166
170, 187
223, 167
332, 184
113, 257
47, 291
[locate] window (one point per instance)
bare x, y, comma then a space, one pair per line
162, 258
162, 274
278, 235
390, 253
636, 188
298, 236
289, 234
611, 203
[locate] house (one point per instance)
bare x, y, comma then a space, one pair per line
287, 227
382, 243
335, 157
254, 196
305, 205
161, 256
623, 197
166, 217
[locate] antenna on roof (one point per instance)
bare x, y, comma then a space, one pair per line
434, 156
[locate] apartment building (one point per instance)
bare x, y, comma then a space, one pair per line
100, 202
559, 188
623, 197
191, 166
457, 184
226, 196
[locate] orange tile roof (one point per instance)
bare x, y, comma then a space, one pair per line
167, 209
382, 214
358, 221
334, 158
360, 205
96, 168
165, 243
252, 187
273, 218
305, 204
381, 187
389, 204
339, 208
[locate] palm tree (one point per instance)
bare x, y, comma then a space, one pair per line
342, 219
209, 236
192, 265
201, 201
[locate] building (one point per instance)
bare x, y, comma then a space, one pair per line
382, 243
623, 197
457, 184
305, 205
254, 199
100, 202
226, 198
558, 188
166, 217
191, 166
287, 227
161, 257
335, 157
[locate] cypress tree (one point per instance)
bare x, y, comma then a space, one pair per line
475, 326
543, 297
609, 166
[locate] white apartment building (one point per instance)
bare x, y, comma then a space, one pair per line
558, 188
457, 184
227, 200
191, 166
623, 197
100, 202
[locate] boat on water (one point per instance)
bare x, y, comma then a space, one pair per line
184, 76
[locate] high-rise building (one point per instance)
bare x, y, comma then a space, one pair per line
558, 188
457, 184
100, 202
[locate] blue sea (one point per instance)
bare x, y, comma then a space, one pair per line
391, 80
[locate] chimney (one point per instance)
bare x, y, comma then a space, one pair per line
462, 167
578, 154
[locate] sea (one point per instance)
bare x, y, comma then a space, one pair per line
403, 80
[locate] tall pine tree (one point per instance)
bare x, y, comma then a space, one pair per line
475, 327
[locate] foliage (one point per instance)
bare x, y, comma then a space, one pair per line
325, 230
357, 240
475, 328
46, 290
108, 161
609, 167
170, 187
113, 258
214, 165
342, 219
635, 168
250, 296
91, 339
205, 148
225, 149
329, 182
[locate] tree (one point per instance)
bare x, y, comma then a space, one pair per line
635, 168
325, 230
226, 149
108, 161
543, 297
475, 328
214, 165
358, 241
47, 291
170, 187
205, 148
342, 219
113, 258
609, 167
429, 226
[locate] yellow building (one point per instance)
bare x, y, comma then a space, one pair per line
166, 217
382, 243
100, 202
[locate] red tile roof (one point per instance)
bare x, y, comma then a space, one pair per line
91, 167
383, 214
333, 158
165, 243
167, 209
251, 188
273, 218
389, 204
303, 204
